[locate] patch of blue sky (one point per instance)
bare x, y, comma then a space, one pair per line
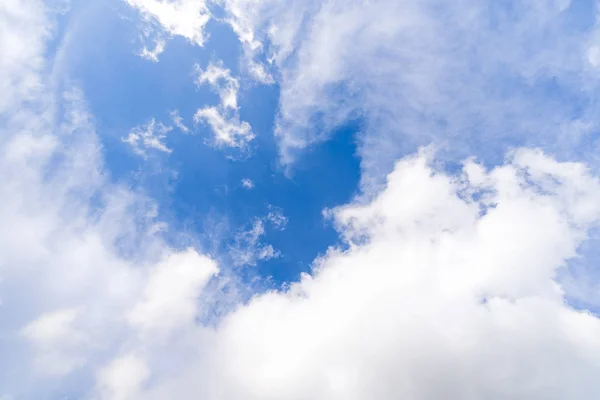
197, 186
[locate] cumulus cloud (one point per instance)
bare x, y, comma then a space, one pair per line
150, 136
448, 288
122, 379
169, 298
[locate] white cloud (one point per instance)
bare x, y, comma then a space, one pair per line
56, 341
474, 76
277, 218
247, 183
170, 296
152, 55
220, 79
259, 72
123, 378
447, 290
23, 30
249, 248
227, 128
178, 121
149, 136
186, 18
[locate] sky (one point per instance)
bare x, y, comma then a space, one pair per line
299, 199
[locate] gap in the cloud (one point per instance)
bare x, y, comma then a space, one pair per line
124, 90
197, 187
325, 176
209, 199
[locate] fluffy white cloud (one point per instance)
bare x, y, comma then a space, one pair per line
447, 290
186, 18
172, 288
57, 342
122, 379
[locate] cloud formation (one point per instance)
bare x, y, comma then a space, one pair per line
447, 285
472, 76
186, 18
227, 128
150, 136
448, 289
220, 80
223, 120
249, 246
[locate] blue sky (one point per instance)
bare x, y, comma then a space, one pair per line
307, 199
199, 187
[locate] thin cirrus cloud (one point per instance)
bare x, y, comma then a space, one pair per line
446, 285
249, 247
227, 128
471, 76
149, 136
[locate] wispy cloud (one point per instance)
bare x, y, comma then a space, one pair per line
152, 55
473, 76
178, 121
224, 120
220, 79
150, 136
249, 247
227, 128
